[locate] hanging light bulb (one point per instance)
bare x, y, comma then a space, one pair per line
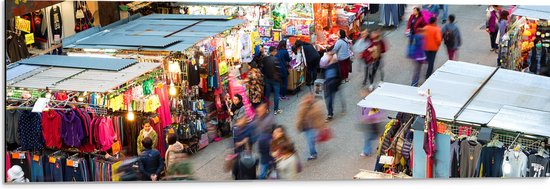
131, 115
201, 60
80, 98
172, 90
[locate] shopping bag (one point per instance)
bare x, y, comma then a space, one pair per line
325, 134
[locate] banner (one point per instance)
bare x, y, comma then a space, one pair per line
23, 25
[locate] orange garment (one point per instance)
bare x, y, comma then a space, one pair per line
432, 37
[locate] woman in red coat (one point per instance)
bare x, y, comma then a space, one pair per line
416, 21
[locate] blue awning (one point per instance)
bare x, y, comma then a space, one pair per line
157, 32
111, 64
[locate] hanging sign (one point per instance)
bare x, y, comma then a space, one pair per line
23, 25
36, 158
29, 38
40, 104
52, 160
116, 147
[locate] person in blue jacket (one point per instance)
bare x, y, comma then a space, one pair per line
151, 163
284, 60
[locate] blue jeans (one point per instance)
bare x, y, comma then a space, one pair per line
37, 170
264, 168
74, 174
445, 12
311, 136
370, 138
54, 171
284, 85
276, 86
330, 94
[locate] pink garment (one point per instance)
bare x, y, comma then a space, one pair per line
164, 110
239, 89
427, 15
157, 127
107, 133
8, 165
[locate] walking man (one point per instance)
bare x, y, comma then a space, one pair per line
432, 34
272, 75
451, 37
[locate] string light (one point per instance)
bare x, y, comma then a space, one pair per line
131, 116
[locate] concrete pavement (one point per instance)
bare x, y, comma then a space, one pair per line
339, 158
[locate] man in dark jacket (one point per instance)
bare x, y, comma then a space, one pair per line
272, 75
151, 163
264, 124
312, 57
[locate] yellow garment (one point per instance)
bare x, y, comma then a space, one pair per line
115, 177
386, 130
152, 103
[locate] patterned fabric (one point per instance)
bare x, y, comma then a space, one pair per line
255, 86
30, 131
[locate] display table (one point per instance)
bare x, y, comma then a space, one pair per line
368, 174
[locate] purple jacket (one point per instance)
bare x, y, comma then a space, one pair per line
492, 23
71, 129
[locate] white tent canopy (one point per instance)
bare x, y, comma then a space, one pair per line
508, 95
536, 12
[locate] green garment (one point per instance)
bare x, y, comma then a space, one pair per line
153, 135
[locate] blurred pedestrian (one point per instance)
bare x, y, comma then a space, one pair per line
272, 75
537, 58
371, 125
279, 137
332, 83
264, 124
492, 25
309, 121
373, 57
242, 133
451, 37
433, 9
174, 147
16, 175
502, 26
342, 49
147, 131
287, 162
416, 21
359, 47
284, 59
432, 39
181, 169
417, 54
445, 14
151, 163
246, 165
312, 57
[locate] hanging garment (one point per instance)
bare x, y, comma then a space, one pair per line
164, 110
106, 133
21, 159
71, 129
12, 125
16, 47
193, 75
455, 159
56, 21
538, 166
40, 28
389, 15
517, 161
51, 129
469, 156
490, 162
37, 167
30, 131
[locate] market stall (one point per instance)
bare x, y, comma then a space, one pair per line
330, 18
486, 110
518, 51
196, 51
66, 113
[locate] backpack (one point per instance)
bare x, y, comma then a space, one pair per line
449, 38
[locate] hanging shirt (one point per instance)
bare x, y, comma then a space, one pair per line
193, 74
538, 166
12, 125
71, 129
517, 162
51, 129
30, 131
148, 86
490, 162
469, 155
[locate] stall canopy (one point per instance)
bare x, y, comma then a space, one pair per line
506, 95
537, 12
156, 32
65, 76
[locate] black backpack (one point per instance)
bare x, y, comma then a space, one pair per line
449, 38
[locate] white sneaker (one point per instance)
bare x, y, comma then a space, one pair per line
371, 87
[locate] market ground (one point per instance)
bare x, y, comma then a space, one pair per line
339, 158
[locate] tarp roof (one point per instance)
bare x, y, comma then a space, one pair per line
455, 82
538, 12
74, 79
156, 32
112, 64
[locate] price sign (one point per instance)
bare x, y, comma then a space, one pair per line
18, 156
29, 38
36, 158
23, 25
116, 147
52, 160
